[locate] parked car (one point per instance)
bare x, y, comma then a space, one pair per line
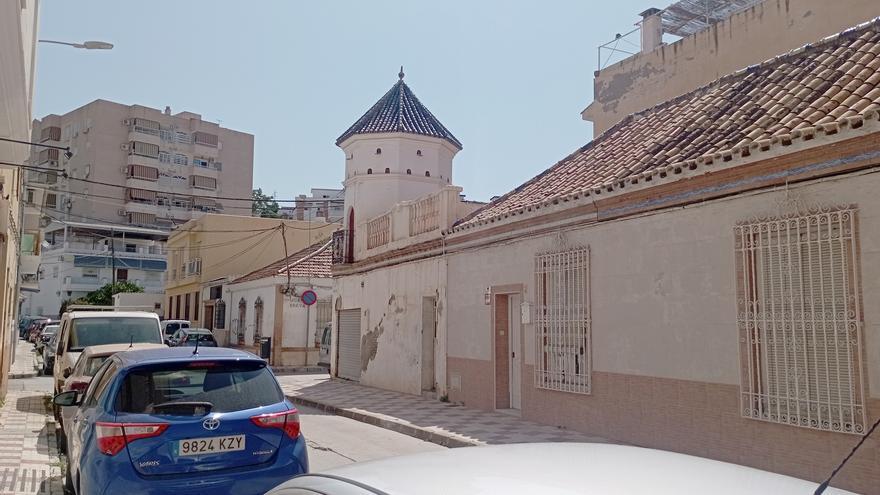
86, 365
170, 327
81, 329
189, 337
34, 328
49, 354
171, 421
46, 335
23, 324
552, 468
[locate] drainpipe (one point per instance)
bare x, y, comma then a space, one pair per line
652, 29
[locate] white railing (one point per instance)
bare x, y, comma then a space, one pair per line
424, 215
379, 231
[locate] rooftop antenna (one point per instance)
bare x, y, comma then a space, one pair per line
196, 350
130, 341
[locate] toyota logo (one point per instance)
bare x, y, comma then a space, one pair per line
211, 424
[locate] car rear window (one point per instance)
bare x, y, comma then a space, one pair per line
113, 330
225, 386
201, 337
93, 364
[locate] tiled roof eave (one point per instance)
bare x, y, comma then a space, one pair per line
798, 139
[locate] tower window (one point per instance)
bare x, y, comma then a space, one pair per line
427, 173
378, 151
418, 152
387, 170
369, 171
409, 171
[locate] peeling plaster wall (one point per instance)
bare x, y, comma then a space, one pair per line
750, 37
662, 289
391, 322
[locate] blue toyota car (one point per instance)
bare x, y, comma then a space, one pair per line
182, 420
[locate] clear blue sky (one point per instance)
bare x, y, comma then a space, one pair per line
508, 78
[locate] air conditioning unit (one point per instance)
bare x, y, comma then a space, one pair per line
124, 146
124, 170
127, 122
121, 213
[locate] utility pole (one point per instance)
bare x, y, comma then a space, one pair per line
113, 256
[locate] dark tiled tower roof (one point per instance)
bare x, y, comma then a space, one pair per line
399, 111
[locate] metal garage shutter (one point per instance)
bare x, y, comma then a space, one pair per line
349, 348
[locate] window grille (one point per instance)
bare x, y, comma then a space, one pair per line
258, 320
800, 321
562, 281
164, 157
180, 159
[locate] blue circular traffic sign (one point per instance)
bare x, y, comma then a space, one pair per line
309, 297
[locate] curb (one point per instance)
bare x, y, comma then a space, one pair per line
413, 431
298, 370
29, 374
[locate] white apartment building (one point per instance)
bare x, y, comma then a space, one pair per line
321, 204
131, 169
79, 257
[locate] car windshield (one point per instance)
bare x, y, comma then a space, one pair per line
113, 330
233, 386
50, 330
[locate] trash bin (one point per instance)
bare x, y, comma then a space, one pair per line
265, 347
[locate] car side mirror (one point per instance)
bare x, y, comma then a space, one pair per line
66, 373
70, 398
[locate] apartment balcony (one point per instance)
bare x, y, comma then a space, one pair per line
157, 252
29, 272
82, 284
142, 160
140, 183
137, 133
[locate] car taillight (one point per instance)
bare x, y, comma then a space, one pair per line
113, 437
285, 420
78, 386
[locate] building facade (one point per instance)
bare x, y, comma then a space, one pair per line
139, 166
321, 205
269, 303
398, 196
700, 278
206, 253
758, 31
18, 38
79, 257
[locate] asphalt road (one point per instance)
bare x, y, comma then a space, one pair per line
335, 441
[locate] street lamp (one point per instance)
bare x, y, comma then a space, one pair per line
86, 45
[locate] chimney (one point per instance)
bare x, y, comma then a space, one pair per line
652, 29
168, 109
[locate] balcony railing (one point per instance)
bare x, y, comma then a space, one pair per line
379, 231
424, 215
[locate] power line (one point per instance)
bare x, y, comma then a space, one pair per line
63, 174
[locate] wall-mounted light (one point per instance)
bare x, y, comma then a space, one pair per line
487, 296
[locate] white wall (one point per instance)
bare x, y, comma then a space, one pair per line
391, 322
662, 285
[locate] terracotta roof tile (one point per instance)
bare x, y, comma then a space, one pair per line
311, 262
823, 85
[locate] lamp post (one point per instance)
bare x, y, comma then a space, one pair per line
85, 45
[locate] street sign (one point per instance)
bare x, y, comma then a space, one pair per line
309, 297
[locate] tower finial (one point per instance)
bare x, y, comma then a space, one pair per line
400, 74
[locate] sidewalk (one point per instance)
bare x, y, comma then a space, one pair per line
430, 420
25, 365
29, 461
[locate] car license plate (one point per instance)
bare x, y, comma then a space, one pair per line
211, 445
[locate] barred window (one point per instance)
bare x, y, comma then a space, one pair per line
562, 321
800, 322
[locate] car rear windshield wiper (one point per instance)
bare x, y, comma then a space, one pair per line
184, 408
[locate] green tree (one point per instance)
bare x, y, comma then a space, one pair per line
264, 205
104, 295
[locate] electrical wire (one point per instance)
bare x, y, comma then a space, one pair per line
63, 174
